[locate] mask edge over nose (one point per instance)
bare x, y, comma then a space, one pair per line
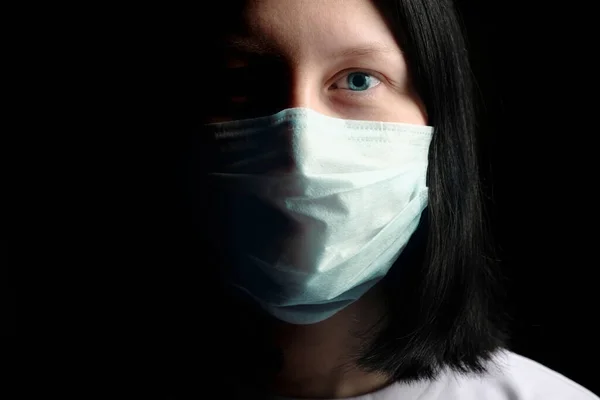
335, 157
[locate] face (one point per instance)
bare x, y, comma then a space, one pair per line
337, 57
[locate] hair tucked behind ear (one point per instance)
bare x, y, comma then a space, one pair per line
444, 290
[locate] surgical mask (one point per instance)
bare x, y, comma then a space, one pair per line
315, 209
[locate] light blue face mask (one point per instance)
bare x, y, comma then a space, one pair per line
319, 208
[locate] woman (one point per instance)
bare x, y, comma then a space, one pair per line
338, 191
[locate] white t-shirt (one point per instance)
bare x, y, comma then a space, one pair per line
512, 377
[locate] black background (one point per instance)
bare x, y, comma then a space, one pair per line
533, 65
124, 227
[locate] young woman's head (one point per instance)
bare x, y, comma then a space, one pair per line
338, 58
389, 61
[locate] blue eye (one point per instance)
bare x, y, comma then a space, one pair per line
358, 81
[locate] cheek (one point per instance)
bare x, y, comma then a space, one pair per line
412, 111
398, 108
420, 107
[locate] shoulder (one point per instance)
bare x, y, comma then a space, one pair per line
512, 377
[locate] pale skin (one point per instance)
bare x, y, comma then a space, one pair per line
320, 44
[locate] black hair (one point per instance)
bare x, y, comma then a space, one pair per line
444, 292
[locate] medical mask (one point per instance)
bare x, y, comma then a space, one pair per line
316, 209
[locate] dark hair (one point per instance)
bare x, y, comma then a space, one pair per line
445, 295
443, 292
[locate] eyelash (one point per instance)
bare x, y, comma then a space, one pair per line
243, 81
358, 92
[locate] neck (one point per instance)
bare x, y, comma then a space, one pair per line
320, 359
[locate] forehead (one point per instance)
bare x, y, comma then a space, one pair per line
302, 28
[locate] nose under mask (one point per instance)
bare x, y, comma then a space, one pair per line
315, 209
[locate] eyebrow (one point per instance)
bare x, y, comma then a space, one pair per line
366, 49
262, 47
